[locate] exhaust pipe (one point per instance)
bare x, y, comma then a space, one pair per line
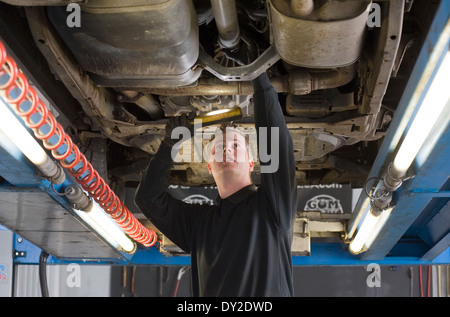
298, 82
226, 18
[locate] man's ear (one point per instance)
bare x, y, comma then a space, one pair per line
209, 169
251, 165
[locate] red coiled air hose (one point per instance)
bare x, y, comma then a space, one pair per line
38, 118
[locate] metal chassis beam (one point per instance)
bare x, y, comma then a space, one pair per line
323, 254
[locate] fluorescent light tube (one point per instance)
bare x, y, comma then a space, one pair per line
431, 108
382, 218
12, 128
369, 223
98, 220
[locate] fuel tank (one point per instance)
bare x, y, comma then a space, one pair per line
128, 43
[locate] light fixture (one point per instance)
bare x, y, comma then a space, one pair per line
373, 222
435, 102
91, 214
11, 127
357, 244
101, 223
94, 216
218, 116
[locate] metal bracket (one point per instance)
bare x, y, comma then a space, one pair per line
301, 245
241, 73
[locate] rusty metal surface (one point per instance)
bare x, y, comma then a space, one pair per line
318, 44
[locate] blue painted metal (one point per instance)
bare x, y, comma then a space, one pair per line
25, 252
424, 193
420, 77
49, 221
410, 203
436, 250
431, 166
336, 254
35, 215
436, 226
326, 254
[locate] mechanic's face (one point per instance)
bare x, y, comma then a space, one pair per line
229, 154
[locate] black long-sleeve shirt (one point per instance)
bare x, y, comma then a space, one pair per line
242, 247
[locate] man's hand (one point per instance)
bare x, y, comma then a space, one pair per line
185, 120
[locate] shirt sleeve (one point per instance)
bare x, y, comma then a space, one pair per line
276, 153
173, 217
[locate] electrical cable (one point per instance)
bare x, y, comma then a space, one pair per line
43, 273
38, 118
439, 280
133, 280
181, 272
176, 288
429, 280
411, 276
420, 281
448, 280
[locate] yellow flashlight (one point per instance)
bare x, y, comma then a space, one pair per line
219, 116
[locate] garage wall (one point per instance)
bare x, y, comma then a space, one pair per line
6, 262
326, 281
63, 280
160, 281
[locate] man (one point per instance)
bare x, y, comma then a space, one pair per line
242, 246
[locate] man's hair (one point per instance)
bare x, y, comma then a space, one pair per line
230, 126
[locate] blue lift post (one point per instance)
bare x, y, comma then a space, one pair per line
422, 202
417, 233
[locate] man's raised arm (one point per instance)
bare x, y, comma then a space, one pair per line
171, 216
276, 152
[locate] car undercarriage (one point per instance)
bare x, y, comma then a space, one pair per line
339, 68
